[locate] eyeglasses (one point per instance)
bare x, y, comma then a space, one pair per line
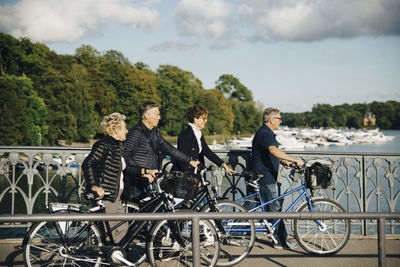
279, 118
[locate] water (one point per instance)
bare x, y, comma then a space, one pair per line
386, 147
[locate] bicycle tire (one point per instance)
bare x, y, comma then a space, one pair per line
317, 240
136, 252
164, 249
239, 236
46, 244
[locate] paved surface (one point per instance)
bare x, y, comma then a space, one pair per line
358, 252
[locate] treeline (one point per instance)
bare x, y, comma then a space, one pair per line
387, 116
45, 97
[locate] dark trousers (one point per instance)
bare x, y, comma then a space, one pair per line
267, 193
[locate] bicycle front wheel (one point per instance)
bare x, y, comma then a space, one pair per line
136, 252
237, 236
171, 244
322, 237
57, 244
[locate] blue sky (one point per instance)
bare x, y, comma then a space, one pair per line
291, 54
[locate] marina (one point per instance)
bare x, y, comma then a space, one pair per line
317, 139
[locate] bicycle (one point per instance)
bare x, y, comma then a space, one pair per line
90, 243
319, 237
237, 236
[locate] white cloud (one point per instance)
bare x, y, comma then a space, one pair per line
311, 20
203, 18
70, 20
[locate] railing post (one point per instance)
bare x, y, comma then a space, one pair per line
381, 242
196, 241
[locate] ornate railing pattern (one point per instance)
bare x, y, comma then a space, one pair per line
31, 177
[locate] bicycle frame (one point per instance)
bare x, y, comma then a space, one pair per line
262, 205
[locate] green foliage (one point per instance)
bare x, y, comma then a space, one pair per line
231, 87
220, 115
346, 116
29, 110
178, 90
13, 129
247, 116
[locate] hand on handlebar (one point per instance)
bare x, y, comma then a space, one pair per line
299, 163
228, 169
99, 190
149, 177
194, 163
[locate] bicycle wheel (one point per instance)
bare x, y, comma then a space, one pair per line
55, 244
327, 239
136, 252
238, 239
168, 248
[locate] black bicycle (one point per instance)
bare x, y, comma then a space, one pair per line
237, 236
87, 243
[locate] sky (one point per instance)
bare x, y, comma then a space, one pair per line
292, 54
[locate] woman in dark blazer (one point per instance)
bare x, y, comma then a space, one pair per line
192, 142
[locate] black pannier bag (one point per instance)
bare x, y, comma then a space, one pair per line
181, 184
319, 174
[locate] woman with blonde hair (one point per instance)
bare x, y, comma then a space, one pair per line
103, 168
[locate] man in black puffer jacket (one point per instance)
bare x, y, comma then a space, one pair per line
143, 152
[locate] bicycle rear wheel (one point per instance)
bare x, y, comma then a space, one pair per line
165, 247
238, 239
55, 244
327, 239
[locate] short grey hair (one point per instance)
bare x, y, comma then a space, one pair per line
269, 113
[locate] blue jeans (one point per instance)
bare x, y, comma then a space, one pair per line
267, 193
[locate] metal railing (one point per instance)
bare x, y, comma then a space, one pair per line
197, 216
32, 177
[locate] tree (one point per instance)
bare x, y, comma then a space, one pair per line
13, 129
247, 116
231, 87
178, 90
220, 116
30, 108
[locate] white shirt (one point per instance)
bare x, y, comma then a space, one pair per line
121, 182
198, 135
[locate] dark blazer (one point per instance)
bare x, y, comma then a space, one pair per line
187, 143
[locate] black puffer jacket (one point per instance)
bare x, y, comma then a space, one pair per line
102, 167
139, 152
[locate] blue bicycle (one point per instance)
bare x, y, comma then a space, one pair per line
320, 237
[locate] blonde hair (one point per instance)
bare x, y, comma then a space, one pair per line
269, 113
111, 122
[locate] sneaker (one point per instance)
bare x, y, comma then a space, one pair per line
290, 245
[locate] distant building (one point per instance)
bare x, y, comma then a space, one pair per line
369, 119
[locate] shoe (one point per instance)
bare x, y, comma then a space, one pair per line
290, 245
278, 246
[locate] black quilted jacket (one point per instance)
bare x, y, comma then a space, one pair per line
139, 151
102, 167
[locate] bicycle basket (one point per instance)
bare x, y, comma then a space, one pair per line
181, 184
318, 174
